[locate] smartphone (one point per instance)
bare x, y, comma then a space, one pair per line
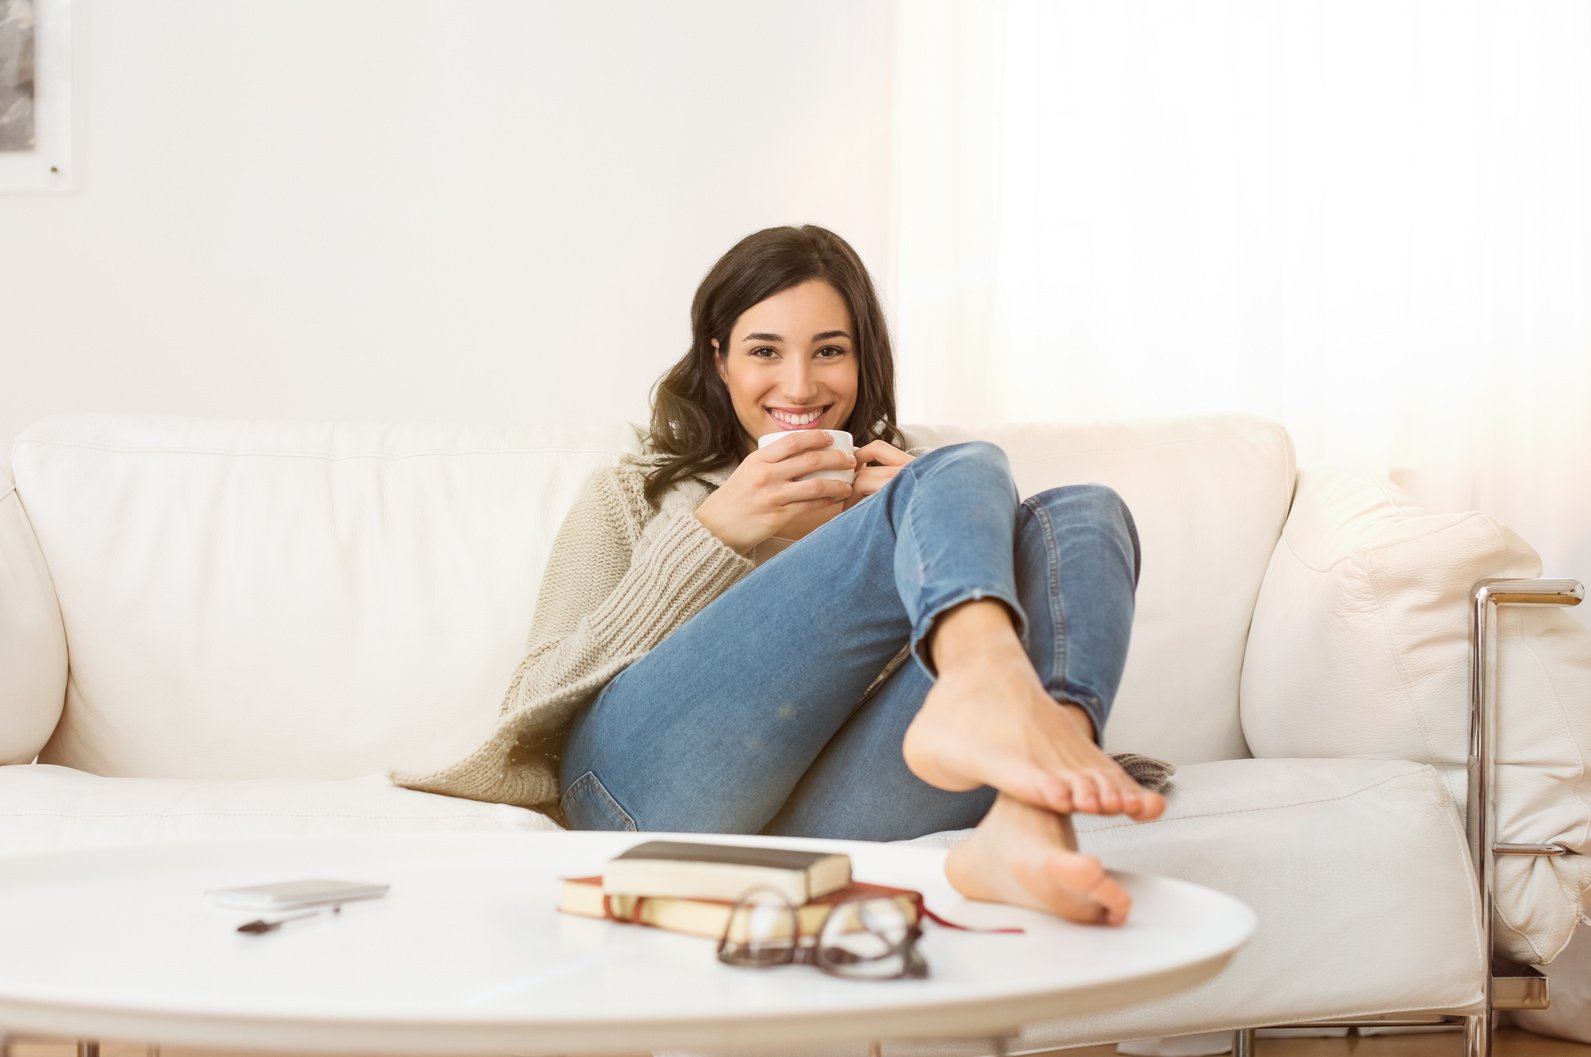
289, 895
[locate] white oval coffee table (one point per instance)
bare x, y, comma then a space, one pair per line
467, 954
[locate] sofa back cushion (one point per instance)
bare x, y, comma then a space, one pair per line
252, 599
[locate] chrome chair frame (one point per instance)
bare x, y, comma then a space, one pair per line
1505, 986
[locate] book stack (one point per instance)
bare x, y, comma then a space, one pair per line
693, 888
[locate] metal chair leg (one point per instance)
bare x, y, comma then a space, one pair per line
87, 1048
1243, 1043
1478, 1033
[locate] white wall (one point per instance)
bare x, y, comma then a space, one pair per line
385, 208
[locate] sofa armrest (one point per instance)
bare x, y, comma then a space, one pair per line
1360, 647
32, 637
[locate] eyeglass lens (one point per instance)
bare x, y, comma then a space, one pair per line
866, 937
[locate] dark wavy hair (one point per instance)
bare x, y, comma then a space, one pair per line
693, 420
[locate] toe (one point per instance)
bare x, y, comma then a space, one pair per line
1110, 802
1151, 806
1055, 794
1071, 884
1109, 894
1085, 794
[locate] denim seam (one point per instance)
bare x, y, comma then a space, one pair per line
1076, 693
605, 799
1052, 581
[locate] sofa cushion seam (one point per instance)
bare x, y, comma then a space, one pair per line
1360, 552
321, 456
1267, 807
242, 814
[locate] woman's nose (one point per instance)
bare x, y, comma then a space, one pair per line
798, 382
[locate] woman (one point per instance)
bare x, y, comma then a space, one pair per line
722, 646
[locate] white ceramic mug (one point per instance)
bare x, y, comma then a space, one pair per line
842, 442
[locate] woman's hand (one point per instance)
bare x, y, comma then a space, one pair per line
870, 479
763, 495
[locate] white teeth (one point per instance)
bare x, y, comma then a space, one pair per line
796, 420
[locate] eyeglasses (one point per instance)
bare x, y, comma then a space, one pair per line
867, 937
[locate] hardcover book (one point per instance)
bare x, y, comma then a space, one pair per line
724, 871
584, 896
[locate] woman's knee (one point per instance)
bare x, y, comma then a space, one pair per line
1089, 507
978, 463
977, 455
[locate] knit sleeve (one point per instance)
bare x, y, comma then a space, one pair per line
615, 586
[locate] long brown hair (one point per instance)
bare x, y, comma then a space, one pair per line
693, 421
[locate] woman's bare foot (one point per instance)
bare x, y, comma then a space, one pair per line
988, 721
1028, 856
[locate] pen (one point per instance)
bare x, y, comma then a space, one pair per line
259, 925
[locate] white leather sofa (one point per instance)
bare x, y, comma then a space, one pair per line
224, 629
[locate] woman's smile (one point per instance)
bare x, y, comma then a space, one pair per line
798, 418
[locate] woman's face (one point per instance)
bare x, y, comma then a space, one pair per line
791, 362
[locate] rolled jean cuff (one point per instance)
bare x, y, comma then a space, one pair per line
925, 624
1088, 701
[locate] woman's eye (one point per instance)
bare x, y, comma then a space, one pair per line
764, 349
831, 352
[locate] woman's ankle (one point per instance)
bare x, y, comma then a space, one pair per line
973, 632
1079, 715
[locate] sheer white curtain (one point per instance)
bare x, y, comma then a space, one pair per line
1366, 219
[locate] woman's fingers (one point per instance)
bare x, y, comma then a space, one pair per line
871, 479
795, 442
817, 490
881, 451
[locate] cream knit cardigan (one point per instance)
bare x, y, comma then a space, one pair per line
621, 578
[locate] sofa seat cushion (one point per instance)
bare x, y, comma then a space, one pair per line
1357, 870
47, 808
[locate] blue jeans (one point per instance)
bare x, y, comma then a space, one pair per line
750, 718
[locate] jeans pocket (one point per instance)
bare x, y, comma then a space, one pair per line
587, 804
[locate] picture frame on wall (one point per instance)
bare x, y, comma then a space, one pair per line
36, 64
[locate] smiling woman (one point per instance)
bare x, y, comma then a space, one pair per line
900, 668
781, 281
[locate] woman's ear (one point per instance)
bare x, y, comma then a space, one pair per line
718, 362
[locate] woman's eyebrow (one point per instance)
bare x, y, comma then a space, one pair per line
825, 336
